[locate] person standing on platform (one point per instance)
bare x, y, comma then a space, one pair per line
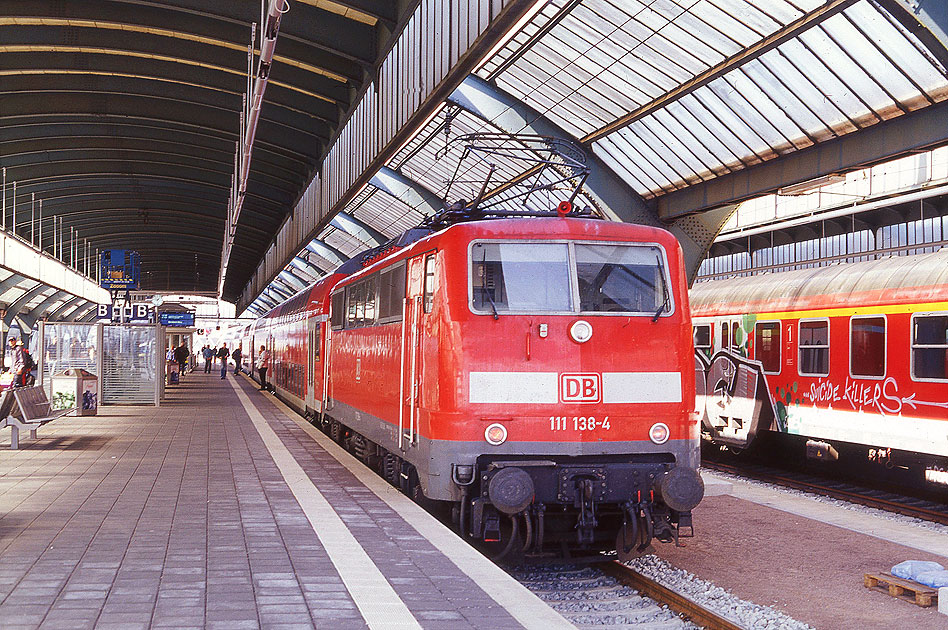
263, 363
222, 354
181, 354
208, 354
22, 363
235, 355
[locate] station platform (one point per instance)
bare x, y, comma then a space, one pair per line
805, 556
224, 509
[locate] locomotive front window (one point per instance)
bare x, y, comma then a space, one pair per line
621, 279
532, 277
930, 347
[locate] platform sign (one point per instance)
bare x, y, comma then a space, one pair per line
184, 320
139, 313
119, 270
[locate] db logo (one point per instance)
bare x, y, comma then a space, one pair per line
585, 388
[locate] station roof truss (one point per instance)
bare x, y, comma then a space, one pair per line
123, 116
686, 108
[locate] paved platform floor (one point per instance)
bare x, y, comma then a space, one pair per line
192, 515
806, 557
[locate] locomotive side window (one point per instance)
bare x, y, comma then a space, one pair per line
767, 343
371, 285
930, 347
532, 277
702, 334
428, 300
355, 295
621, 279
813, 348
338, 310
867, 347
391, 294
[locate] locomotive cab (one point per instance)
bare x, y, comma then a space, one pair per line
567, 346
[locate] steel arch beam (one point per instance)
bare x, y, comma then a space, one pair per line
407, 190
927, 20
10, 282
331, 254
14, 309
37, 312
307, 267
82, 311
616, 198
917, 131
58, 313
303, 282
279, 291
292, 282
351, 225
268, 301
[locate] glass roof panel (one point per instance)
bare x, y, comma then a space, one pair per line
812, 88
387, 214
341, 240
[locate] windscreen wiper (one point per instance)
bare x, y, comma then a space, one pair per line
661, 272
487, 291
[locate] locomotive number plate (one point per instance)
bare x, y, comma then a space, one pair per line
578, 423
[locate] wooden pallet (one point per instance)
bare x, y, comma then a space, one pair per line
906, 590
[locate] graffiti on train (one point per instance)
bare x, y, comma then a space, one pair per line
884, 396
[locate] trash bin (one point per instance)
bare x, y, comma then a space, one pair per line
78, 389
173, 372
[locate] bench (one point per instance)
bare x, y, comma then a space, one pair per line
35, 411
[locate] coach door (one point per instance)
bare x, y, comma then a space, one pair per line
418, 296
313, 366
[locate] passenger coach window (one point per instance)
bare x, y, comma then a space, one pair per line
930, 347
725, 337
768, 346
867, 347
703, 338
814, 348
621, 279
520, 277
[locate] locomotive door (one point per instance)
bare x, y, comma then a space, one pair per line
416, 304
313, 366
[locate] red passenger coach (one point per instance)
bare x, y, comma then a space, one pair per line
847, 362
533, 374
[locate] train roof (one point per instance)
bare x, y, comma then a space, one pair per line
892, 280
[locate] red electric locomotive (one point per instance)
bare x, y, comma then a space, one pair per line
535, 374
847, 362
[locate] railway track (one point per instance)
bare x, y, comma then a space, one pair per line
888, 501
612, 595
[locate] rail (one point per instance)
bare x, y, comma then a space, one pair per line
679, 603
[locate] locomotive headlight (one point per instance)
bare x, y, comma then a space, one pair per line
496, 434
581, 331
658, 433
